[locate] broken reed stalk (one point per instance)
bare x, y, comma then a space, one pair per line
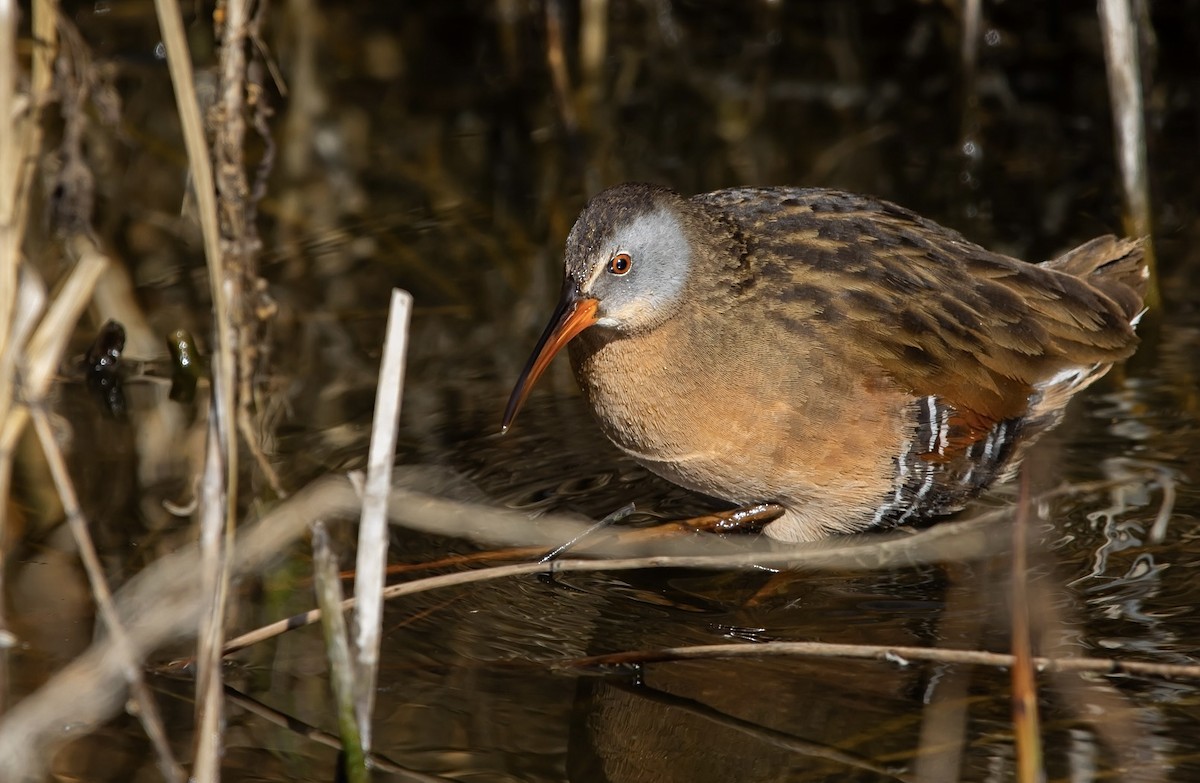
328, 587
147, 708
224, 367
230, 389
371, 562
10, 243
1026, 724
20, 151
213, 591
1119, 29
237, 205
11, 121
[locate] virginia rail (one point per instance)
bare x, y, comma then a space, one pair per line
858, 364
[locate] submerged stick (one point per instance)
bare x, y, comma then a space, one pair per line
1026, 724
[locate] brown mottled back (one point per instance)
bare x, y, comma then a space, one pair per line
940, 315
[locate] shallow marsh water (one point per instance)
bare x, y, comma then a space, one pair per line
423, 146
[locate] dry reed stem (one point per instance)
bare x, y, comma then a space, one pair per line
10, 180
342, 675
224, 367
593, 43
20, 120
218, 507
182, 79
1026, 723
20, 150
213, 589
560, 80
236, 210
179, 64
972, 21
30, 303
21, 298
131, 664
373, 531
307, 100
1119, 30
899, 655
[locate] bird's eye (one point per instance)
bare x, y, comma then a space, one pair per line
620, 264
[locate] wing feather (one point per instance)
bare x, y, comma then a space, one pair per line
939, 315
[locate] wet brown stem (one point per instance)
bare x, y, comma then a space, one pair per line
1024, 686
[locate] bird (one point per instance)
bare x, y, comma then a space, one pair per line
840, 355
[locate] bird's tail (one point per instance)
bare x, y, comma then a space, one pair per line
1114, 266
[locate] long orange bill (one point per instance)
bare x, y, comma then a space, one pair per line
573, 314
